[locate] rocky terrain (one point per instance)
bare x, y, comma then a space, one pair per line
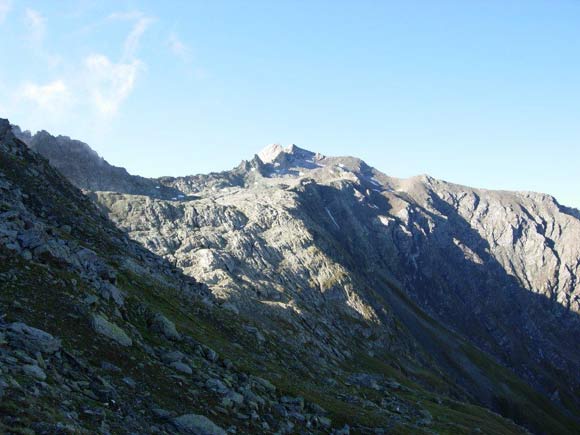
84, 167
296, 293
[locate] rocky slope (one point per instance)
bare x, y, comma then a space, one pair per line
399, 306
98, 335
330, 229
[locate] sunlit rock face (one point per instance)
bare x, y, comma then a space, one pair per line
295, 228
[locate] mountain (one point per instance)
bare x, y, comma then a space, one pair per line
86, 169
303, 293
499, 268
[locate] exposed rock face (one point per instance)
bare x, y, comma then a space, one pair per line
269, 154
86, 169
310, 234
314, 263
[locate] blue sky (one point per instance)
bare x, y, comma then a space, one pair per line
484, 93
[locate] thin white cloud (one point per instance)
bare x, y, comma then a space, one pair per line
36, 31
5, 7
36, 25
128, 16
110, 83
178, 47
140, 24
132, 41
54, 96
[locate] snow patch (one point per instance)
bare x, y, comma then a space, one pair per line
413, 258
331, 217
385, 220
405, 230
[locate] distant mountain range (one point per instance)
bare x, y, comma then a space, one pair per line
338, 299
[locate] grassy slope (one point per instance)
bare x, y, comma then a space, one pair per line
512, 397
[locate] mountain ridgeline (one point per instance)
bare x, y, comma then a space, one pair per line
295, 293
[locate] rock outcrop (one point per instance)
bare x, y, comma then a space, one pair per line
86, 169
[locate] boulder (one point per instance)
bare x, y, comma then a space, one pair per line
32, 339
216, 385
235, 398
210, 354
173, 356
365, 380
293, 402
165, 327
263, 384
196, 425
34, 371
110, 330
181, 367
109, 291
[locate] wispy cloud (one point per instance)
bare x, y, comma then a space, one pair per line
36, 25
133, 15
54, 95
36, 31
178, 47
96, 82
110, 83
5, 7
132, 41
140, 24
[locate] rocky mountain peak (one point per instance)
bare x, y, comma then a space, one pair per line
275, 153
4, 127
270, 153
292, 160
24, 136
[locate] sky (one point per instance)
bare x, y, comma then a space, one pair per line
482, 93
